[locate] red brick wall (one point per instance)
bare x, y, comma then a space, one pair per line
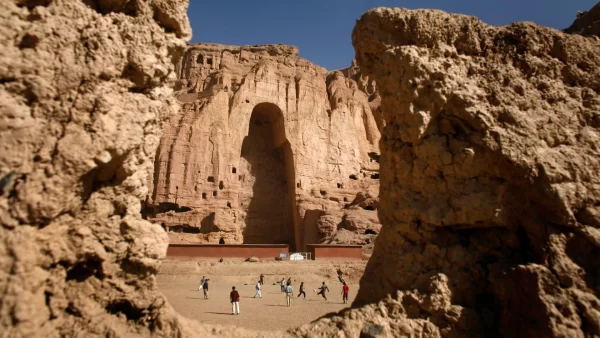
266, 251
333, 251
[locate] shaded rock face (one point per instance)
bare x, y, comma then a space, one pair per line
489, 174
268, 148
587, 23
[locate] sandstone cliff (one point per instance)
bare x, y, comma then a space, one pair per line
268, 148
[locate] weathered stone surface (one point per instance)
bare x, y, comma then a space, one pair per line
490, 167
268, 148
84, 88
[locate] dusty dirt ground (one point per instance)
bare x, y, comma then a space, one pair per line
179, 281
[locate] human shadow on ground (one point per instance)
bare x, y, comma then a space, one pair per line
275, 305
219, 313
194, 298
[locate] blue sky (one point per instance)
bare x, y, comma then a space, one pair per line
322, 28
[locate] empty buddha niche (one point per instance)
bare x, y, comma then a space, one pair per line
265, 154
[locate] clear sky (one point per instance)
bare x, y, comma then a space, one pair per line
322, 28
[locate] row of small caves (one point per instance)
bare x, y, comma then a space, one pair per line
211, 179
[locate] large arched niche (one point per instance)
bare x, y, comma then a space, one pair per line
267, 179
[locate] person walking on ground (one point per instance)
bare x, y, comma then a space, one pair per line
289, 281
302, 290
322, 289
258, 291
341, 276
234, 297
201, 283
205, 288
345, 290
282, 285
289, 291
262, 279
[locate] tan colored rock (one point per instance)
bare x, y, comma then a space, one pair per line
84, 89
489, 171
368, 86
489, 175
268, 148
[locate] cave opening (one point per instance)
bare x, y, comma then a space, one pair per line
266, 162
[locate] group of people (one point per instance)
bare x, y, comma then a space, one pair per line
286, 287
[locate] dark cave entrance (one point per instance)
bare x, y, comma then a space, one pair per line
269, 190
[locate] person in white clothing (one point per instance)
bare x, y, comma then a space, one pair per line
289, 291
234, 297
201, 283
258, 291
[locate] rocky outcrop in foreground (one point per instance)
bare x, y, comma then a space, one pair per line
267, 148
84, 88
490, 184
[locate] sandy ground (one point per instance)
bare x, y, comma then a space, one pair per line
179, 280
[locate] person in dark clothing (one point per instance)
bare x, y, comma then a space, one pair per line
322, 289
234, 297
341, 276
205, 288
262, 279
302, 290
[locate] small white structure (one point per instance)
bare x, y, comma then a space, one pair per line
296, 257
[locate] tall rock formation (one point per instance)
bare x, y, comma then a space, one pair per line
268, 148
490, 175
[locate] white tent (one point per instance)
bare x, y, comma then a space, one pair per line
296, 257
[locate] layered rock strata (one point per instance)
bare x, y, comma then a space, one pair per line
490, 181
268, 148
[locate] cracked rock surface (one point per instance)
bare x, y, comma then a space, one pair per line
490, 168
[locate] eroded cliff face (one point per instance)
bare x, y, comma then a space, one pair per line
490, 181
268, 148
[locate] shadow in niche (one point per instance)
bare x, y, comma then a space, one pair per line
269, 166
207, 223
184, 228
